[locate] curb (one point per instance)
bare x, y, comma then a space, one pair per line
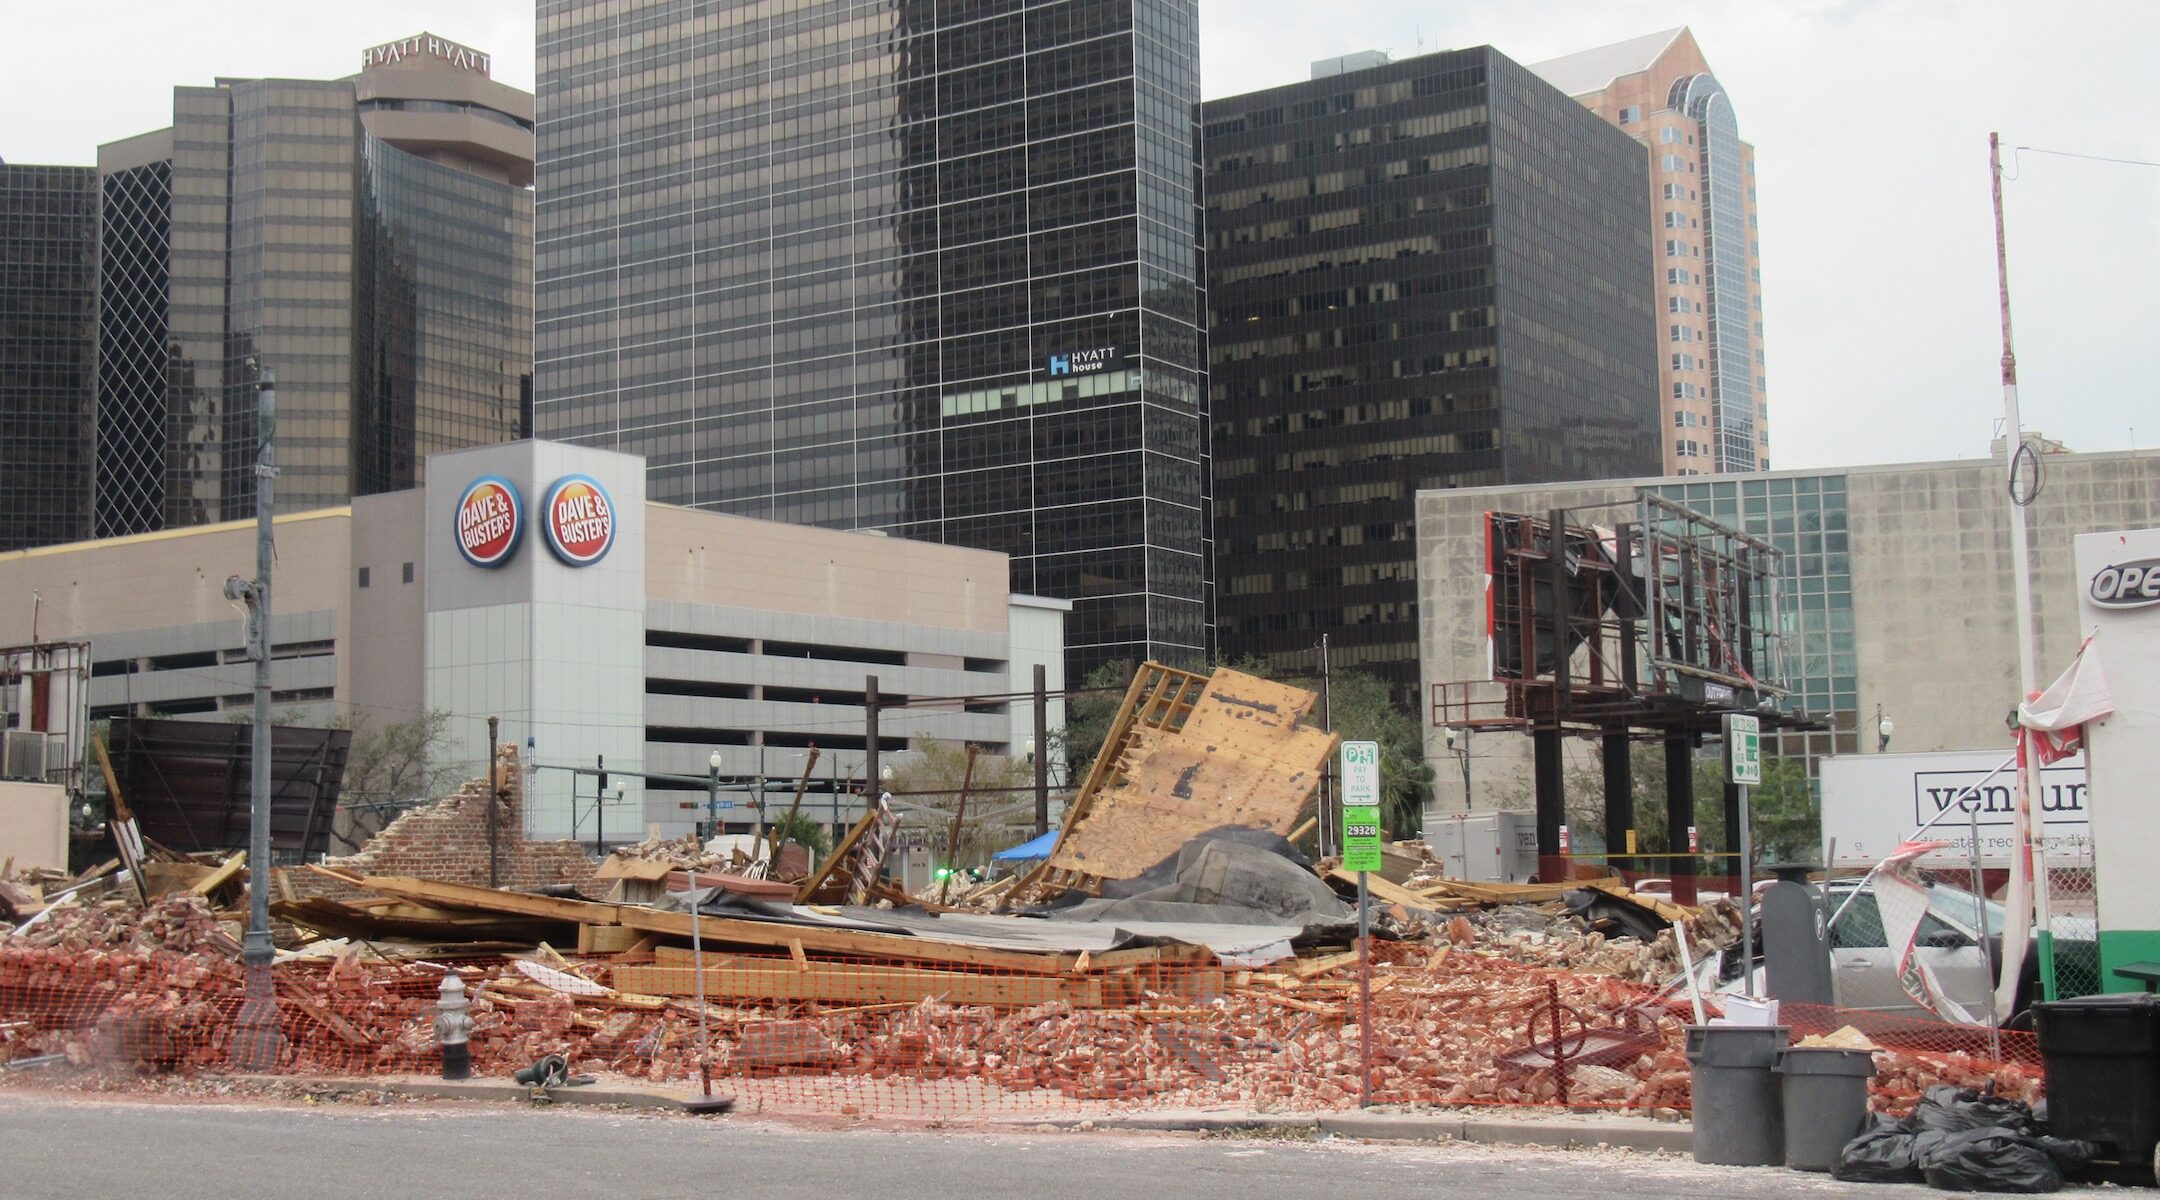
484, 1090
1389, 1127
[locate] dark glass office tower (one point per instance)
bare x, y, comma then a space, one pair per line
1423, 274
48, 352
923, 266
368, 238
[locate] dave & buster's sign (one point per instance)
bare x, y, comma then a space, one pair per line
579, 520
490, 521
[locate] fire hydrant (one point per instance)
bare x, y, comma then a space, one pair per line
453, 1028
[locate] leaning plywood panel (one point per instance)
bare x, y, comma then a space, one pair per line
1240, 759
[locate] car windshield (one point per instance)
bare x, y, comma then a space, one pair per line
1956, 905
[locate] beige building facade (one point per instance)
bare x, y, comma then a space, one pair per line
1896, 595
1714, 380
688, 633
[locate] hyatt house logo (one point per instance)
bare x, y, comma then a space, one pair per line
1083, 362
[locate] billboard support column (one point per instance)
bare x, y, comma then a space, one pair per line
1680, 814
1619, 799
1551, 805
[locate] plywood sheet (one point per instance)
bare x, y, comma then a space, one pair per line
1240, 759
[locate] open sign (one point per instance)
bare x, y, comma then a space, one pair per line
2127, 585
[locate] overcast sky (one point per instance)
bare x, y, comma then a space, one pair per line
1869, 117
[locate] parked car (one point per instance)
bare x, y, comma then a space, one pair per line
1864, 966
1950, 941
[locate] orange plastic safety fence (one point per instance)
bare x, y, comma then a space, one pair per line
1448, 1028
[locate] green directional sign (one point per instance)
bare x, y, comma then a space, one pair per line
1361, 806
1743, 748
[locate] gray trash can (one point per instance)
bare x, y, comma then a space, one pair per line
1825, 1093
1739, 1121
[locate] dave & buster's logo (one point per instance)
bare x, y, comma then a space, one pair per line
2127, 585
579, 520
490, 521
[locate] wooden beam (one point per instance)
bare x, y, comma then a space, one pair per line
1383, 891
222, 876
481, 899
861, 985
848, 943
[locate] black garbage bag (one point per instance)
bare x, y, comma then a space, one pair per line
1882, 1153
1947, 1109
1989, 1160
2070, 1154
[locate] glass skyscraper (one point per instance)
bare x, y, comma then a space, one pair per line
367, 238
1424, 274
928, 267
48, 324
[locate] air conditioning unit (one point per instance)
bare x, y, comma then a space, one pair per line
22, 755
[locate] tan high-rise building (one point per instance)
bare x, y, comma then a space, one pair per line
1705, 245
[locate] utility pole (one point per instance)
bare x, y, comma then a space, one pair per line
1041, 755
256, 1038
2027, 889
1327, 772
494, 804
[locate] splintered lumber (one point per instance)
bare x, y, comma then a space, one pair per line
399, 919
1382, 890
1306, 968
605, 939
225, 874
1612, 886
848, 943
851, 984
482, 899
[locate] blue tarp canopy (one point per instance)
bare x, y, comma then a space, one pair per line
1030, 850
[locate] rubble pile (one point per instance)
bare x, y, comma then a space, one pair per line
1168, 967
683, 853
181, 923
1548, 936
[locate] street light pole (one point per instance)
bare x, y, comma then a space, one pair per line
256, 1039
1883, 729
712, 796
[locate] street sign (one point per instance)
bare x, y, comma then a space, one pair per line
1360, 774
1361, 806
1743, 748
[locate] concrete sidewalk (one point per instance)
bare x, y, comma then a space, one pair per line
1561, 1130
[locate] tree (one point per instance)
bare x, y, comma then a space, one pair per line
1088, 714
1361, 710
1000, 807
802, 829
395, 766
1787, 822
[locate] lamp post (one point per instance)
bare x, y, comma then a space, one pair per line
256, 1037
1884, 727
712, 796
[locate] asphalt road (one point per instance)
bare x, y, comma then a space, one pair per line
58, 1146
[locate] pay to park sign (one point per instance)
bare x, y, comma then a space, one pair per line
1361, 806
